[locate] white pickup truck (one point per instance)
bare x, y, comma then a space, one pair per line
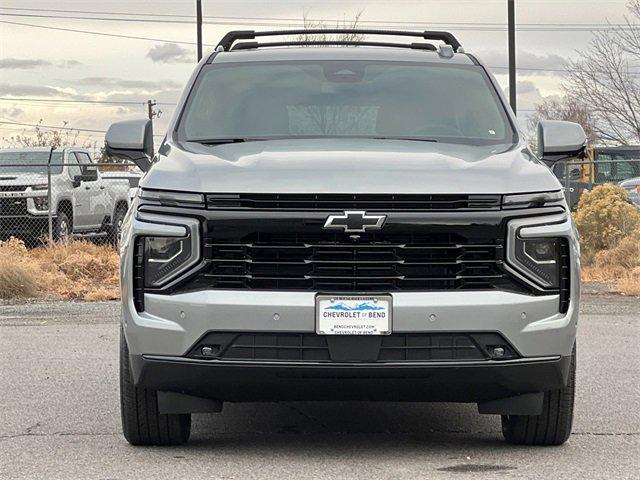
84, 201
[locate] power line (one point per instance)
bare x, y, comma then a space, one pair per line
271, 22
89, 32
115, 35
99, 102
289, 19
51, 127
103, 34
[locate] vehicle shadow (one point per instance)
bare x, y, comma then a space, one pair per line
325, 425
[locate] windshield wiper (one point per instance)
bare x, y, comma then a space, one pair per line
222, 141
411, 139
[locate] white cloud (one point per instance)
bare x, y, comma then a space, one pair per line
33, 63
527, 62
170, 53
130, 84
26, 90
528, 95
13, 113
68, 64
23, 63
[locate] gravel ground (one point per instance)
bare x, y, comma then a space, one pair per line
59, 415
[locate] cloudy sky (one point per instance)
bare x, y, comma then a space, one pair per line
48, 67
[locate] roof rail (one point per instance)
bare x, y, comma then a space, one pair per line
226, 44
252, 45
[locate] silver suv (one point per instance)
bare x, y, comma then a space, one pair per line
356, 223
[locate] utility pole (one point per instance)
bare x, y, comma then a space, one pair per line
150, 111
511, 20
199, 27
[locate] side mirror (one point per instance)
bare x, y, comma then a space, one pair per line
558, 140
131, 140
89, 174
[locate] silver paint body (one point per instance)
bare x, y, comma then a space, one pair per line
171, 324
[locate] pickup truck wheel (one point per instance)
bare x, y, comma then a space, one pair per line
116, 226
142, 424
553, 427
62, 227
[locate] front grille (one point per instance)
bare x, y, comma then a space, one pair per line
309, 347
370, 202
330, 262
13, 206
13, 188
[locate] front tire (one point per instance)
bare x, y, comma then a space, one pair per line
62, 227
553, 426
115, 230
142, 424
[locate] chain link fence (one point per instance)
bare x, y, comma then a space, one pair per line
580, 176
89, 200
48, 196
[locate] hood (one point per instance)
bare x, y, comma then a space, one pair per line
21, 179
348, 166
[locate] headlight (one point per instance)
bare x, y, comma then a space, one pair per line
173, 199
164, 258
168, 247
41, 203
539, 258
530, 200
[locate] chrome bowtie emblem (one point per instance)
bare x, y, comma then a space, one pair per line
355, 221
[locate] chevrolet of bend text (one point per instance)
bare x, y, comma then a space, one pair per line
362, 220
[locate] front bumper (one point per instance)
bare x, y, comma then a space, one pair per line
437, 382
172, 324
24, 225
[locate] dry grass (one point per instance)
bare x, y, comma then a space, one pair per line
18, 278
630, 283
73, 270
619, 266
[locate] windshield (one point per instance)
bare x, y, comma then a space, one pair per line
30, 162
418, 101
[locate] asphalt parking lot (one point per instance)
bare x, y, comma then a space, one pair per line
59, 415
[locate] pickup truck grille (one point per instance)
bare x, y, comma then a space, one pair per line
13, 188
330, 262
13, 206
330, 202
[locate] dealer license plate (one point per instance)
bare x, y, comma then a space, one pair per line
353, 315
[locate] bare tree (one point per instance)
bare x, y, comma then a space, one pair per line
49, 137
601, 79
565, 108
321, 37
316, 118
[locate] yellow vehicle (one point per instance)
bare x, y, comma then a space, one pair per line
601, 165
611, 164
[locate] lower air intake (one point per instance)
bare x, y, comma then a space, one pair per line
309, 347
